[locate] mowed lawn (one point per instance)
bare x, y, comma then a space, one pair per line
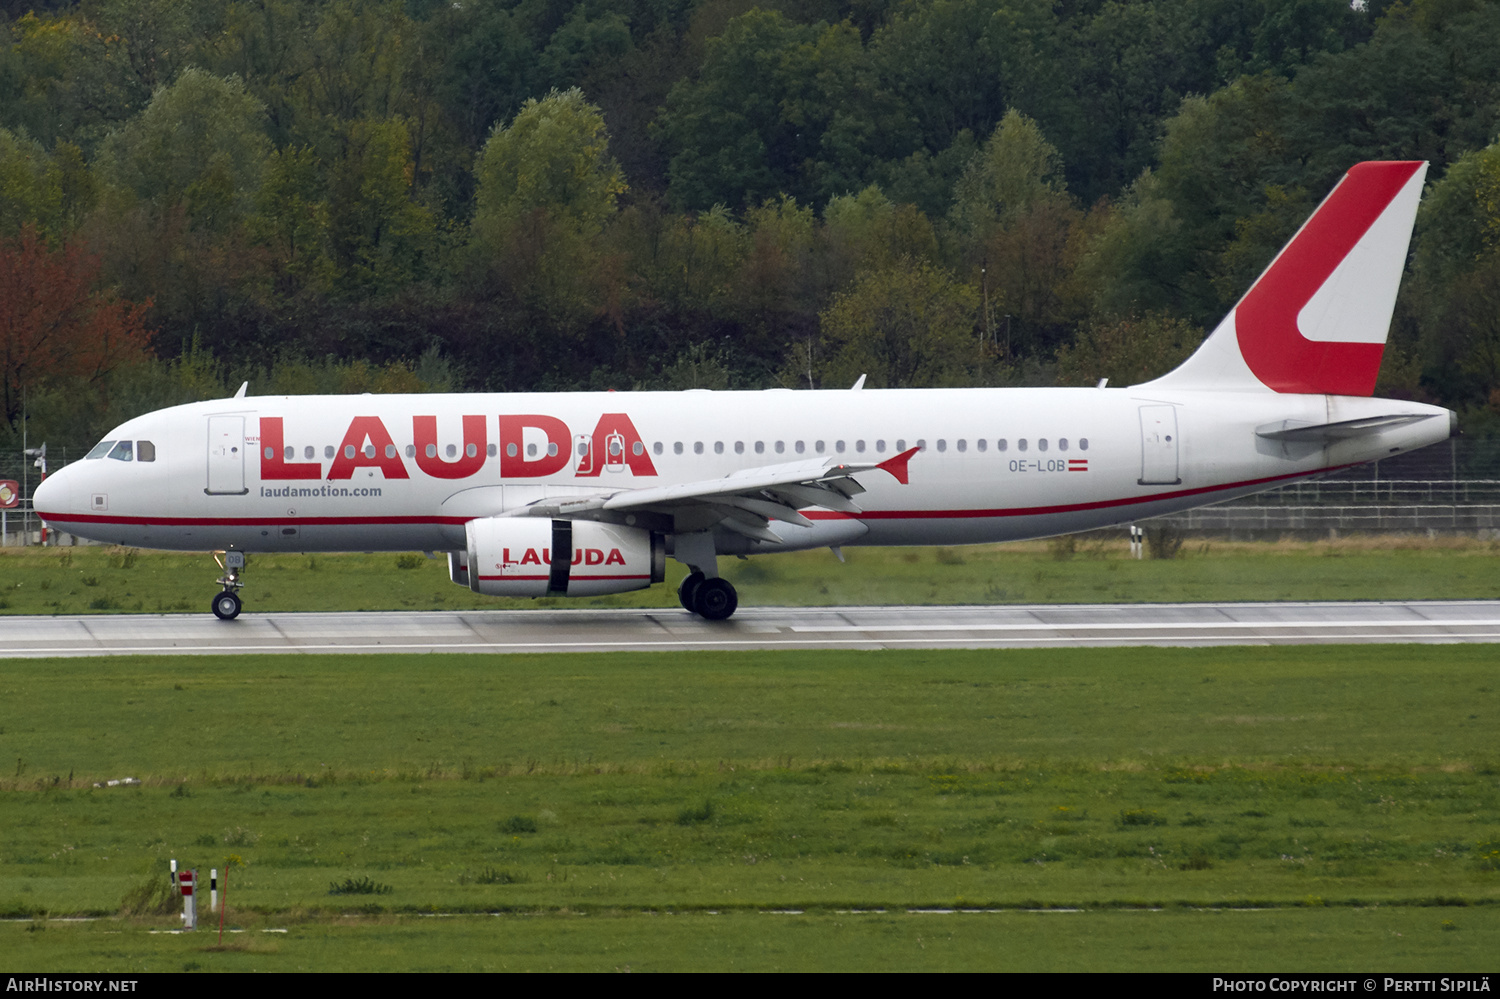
1073, 570
592, 797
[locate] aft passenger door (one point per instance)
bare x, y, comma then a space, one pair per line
1159, 446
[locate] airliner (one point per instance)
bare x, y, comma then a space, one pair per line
586, 493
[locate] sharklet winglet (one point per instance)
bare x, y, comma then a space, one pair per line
897, 465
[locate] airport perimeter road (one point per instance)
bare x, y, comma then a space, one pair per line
1032, 626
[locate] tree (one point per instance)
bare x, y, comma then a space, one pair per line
200, 142
547, 186
906, 326
53, 326
1127, 351
1015, 169
553, 157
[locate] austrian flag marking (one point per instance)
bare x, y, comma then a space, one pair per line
1078, 464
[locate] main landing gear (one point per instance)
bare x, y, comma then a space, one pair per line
714, 599
226, 605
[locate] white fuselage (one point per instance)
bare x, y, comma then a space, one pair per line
995, 464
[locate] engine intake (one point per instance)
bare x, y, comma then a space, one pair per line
522, 557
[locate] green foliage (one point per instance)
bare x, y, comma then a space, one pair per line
50, 192
908, 324
364, 885
1014, 170
1127, 351
552, 158
368, 179
153, 896
199, 144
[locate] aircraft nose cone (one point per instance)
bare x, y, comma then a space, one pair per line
52, 496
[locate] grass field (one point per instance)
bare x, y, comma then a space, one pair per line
104, 580
604, 808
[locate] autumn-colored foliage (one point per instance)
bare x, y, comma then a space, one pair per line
54, 325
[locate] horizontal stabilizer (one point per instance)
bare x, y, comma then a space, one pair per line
1297, 430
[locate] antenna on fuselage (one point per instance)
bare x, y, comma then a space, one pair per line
241, 393
858, 385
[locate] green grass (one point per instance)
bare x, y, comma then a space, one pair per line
1354, 791
105, 580
1302, 939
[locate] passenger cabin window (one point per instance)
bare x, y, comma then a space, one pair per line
491, 450
718, 447
1083, 443
145, 451
942, 445
471, 450
1001, 445
328, 451
100, 450
981, 444
1062, 443
1021, 444
839, 446
859, 446
657, 448
451, 451
1041, 445
390, 450
963, 445
122, 451
677, 448
760, 447
697, 447
739, 447
801, 447
880, 447
780, 447
637, 448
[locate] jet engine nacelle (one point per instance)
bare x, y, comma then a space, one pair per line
525, 557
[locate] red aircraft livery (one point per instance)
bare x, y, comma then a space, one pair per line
368, 444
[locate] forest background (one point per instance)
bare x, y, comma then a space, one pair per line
549, 194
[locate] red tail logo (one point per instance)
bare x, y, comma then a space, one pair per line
1274, 343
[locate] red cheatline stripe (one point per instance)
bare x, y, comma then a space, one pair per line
1024, 511
1037, 511
571, 576
89, 518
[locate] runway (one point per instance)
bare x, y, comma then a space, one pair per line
658, 630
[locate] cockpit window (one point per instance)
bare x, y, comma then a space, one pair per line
145, 451
100, 450
122, 451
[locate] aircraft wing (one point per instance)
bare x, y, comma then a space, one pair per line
744, 501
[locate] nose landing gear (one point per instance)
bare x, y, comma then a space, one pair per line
226, 606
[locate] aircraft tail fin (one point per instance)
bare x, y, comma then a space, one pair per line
1316, 319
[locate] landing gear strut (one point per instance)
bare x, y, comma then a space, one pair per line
714, 599
226, 606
